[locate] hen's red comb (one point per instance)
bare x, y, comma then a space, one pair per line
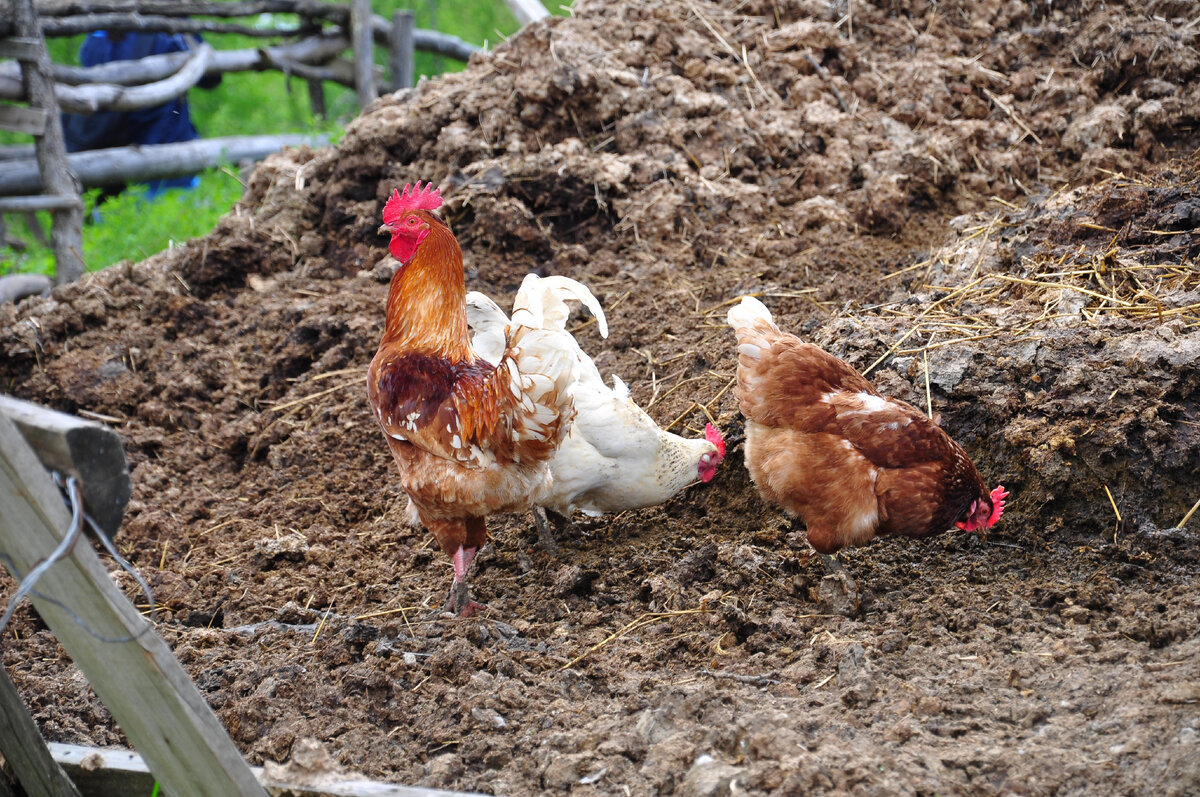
414, 198
713, 435
998, 496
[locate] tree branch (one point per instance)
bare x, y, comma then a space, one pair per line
155, 162
74, 26
315, 9
109, 97
292, 58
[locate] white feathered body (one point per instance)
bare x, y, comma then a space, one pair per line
614, 457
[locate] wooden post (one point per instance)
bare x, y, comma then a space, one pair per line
401, 68
22, 746
91, 451
66, 234
362, 41
316, 98
146, 689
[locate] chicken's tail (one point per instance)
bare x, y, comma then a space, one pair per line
545, 362
748, 314
753, 325
489, 327
541, 303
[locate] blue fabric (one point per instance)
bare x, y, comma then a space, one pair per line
161, 124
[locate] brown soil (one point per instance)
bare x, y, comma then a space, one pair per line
674, 155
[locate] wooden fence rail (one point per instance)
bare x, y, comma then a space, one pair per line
324, 31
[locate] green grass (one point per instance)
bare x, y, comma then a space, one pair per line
246, 103
129, 227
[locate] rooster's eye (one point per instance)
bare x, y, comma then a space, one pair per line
413, 221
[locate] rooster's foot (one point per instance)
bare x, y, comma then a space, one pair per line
459, 603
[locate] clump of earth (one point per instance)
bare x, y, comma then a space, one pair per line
987, 206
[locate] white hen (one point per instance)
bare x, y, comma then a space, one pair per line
615, 457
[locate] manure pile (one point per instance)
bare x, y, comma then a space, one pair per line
989, 205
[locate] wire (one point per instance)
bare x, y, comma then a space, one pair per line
78, 519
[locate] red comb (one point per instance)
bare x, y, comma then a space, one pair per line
713, 435
414, 198
998, 496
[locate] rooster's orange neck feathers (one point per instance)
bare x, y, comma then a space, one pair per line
426, 306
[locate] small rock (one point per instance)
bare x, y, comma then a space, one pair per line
573, 580
489, 717
445, 769
1077, 614
710, 778
837, 595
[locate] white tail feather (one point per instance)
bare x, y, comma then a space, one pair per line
545, 299
745, 314
490, 327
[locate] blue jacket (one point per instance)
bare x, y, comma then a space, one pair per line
160, 124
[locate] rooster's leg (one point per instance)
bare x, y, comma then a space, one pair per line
459, 601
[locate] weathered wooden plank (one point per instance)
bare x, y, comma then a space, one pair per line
134, 674
30, 121
20, 48
73, 26
364, 51
133, 164
22, 747
104, 771
113, 97
27, 204
15, 287
401, 50
316, 98
122, 773
187, 8
90, 451
313, 50
66, 230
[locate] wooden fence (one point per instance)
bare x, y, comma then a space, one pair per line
330, 43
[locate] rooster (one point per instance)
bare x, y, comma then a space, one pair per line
470, 438
828, 448
615, 457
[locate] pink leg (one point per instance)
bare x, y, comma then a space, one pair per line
459, 602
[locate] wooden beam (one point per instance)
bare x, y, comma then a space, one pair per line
128, 665
20, 48
111, 97
401, 68
90, 451
134, 164
120, 773
66, 230
318, 9
364, 51
125, 23
16, 119
23, 748
15, 287
316, 98
26, 204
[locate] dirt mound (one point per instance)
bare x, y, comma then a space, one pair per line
895, 179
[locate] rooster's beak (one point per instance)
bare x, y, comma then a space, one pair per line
386, 229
